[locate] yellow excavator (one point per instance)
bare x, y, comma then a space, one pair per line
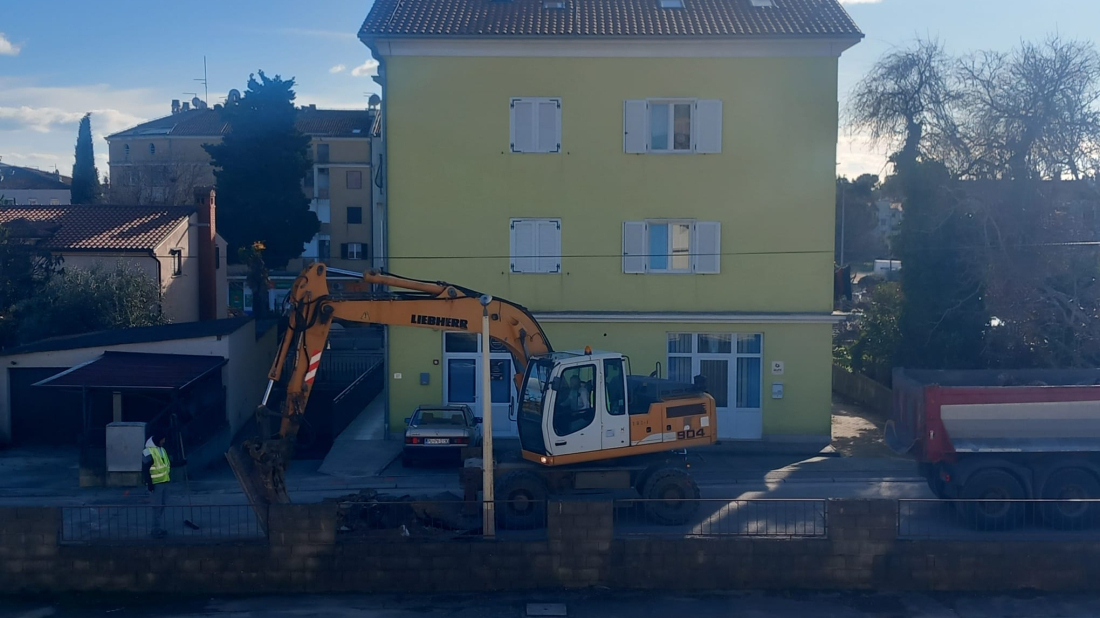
636, 421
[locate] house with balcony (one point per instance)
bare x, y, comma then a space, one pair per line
161, 161
654, 177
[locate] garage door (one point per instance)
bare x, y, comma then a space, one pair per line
42, 415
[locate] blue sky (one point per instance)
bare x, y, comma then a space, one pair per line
126, 59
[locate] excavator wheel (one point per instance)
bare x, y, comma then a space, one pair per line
521, 501
671, 497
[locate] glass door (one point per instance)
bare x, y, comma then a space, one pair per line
462, 379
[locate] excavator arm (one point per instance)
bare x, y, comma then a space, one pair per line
260, 464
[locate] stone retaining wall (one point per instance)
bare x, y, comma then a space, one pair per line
303, 554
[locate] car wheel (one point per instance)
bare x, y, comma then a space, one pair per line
985, 501
671, 497
521, 501
1070, 484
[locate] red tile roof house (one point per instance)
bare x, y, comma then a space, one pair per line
177, 246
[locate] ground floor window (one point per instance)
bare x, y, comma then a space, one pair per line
730, 363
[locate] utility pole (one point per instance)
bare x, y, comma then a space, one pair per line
488, 524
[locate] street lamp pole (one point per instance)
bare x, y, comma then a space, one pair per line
488, 511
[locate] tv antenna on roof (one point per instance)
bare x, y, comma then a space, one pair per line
204, 82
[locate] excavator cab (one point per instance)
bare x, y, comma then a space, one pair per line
582, 406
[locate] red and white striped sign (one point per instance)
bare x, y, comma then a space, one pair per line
314, 363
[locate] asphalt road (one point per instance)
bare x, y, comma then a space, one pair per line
582, 605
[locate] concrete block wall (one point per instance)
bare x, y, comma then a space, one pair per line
304, 554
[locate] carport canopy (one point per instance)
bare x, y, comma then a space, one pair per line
136, 371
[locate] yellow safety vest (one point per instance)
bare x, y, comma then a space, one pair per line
158, 472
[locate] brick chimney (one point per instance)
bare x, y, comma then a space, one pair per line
208, 276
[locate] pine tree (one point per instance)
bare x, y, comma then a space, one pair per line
259, 166
86, 189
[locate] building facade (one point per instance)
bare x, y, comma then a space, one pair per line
161, 161
25, 186
653, 177
163, 242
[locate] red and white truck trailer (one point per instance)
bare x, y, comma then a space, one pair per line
1004, 435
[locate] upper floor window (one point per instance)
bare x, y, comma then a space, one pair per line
125, 152
535, 245
152, 149
324, 244
32, 201
672, 126
355, 214
674, 246
355, 179
322, 153
535, 125
352, 251
55, 201
177, 262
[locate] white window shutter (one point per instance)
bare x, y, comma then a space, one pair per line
635, 126
523, 125
708, 126
549, 246
549, 125
524, 246
634, 243
707, 248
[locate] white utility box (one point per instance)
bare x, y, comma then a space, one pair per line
125, 441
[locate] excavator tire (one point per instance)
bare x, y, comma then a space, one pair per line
521, 501
671, 497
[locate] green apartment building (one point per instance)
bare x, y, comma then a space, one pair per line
654, 177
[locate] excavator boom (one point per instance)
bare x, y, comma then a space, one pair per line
260, 465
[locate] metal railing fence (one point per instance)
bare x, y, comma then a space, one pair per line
720, 517
1000, 519
107, 524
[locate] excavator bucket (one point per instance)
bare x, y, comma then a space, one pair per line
260, 468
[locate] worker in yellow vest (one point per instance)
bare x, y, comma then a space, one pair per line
156, 470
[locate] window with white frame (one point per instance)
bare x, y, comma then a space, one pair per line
535, 245
535, 125
672, 126
674, 246
352, 251
731, 364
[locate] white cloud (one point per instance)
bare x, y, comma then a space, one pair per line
38, 124
7, 48
337, 69
367, 68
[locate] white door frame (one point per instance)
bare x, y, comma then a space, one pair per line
733, 423
503, 427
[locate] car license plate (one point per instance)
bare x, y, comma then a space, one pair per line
437, 441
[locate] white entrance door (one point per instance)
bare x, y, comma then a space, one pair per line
462, 379
730, 363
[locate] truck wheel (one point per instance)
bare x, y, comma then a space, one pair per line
1070, 484
992, 484
521, 501
672, 497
